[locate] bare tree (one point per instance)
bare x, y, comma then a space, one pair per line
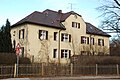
44, 51
111, 13
115, 47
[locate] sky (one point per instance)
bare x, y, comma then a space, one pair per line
15, 10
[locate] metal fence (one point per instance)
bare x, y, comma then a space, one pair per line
58, 70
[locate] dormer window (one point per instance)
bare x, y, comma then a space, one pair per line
76, 25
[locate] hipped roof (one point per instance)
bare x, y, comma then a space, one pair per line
53, 19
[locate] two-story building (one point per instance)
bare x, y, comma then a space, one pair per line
52, 36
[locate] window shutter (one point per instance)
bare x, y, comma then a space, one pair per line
82, 39
78, 25
72, 24
69, 53
19, 33
39, 35
69, 38
98, 41
14, 44
55, 35
62, 36
54, 53
46, 35
62, 54
103, 42
23, 33
87, 40
93, 41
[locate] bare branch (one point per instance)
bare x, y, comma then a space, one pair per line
116, 1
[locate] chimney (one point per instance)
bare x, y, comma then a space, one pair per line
59, 11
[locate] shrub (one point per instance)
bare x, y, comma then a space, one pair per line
92, 60
11, 59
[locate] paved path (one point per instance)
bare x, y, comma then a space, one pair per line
71, 78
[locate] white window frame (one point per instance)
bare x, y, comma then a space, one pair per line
43, 34
75, 25
101, 42
65, 37
65, 53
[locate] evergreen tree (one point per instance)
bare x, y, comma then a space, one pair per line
5, 38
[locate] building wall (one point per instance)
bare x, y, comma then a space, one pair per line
42, 50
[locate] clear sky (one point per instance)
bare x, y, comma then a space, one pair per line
15, 10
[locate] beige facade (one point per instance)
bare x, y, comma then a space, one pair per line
48, 44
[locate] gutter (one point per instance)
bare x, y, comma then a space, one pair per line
59, 46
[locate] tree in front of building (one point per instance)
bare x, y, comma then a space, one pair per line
5, 38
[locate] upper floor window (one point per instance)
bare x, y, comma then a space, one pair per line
21, 33
101, 42
43, 35
65, 53
84, 40
65, 37
55, 36
76, 25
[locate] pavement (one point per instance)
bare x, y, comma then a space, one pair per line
70, 78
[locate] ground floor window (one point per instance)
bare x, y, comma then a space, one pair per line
65, 53
54, 53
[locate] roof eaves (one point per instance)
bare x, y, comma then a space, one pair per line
62, 27
98, 34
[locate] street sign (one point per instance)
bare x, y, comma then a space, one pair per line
18, 49
17, 53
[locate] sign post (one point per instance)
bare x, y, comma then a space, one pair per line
17, 53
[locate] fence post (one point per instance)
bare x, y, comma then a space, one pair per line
71, 72
15, 70
117, 69
96, 69
42, 69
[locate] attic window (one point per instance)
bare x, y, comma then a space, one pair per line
76, 25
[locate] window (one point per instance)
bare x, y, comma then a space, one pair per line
21, 33
83, 40
76, 25
43, 34
92, 41
65, 37
55, 36
55, 53
65, 53
101, 42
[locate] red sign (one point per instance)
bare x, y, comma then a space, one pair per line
18, 49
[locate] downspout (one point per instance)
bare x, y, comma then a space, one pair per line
59, 46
